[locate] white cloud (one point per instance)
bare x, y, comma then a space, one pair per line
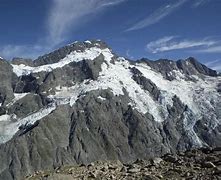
158, 15
211, 62
170, 43
66, 15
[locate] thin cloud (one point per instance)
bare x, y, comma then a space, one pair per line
216, 65
111, 3
25, 51
199, 3
69, 14
158, 15
63, 16
170, 43
212, 62
214, 49
128, 54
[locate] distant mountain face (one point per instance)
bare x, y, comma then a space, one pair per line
83, 103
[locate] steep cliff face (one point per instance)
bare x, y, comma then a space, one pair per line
6, 82
83, 103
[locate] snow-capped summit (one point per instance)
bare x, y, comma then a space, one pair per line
85, 103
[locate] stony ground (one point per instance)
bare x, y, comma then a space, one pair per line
200, 164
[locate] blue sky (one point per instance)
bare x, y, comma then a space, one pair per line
154, 29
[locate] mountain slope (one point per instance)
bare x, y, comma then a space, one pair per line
83, 103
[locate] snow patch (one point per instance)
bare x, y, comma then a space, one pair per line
17, 97
88, 42
11, 125
5, 117
101, 98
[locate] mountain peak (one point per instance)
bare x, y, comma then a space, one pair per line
193, 66
90, 43
61, 53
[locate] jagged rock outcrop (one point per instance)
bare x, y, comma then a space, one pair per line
189, 66
83, 103
146, 84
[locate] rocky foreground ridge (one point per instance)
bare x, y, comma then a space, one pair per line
83, 103
201, 164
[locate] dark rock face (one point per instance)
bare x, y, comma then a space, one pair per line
173, 128
6, 82
2, 111
219, 88
147, 84
26, 84
27, 105
99, 125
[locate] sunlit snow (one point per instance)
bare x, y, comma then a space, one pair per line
101, 98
